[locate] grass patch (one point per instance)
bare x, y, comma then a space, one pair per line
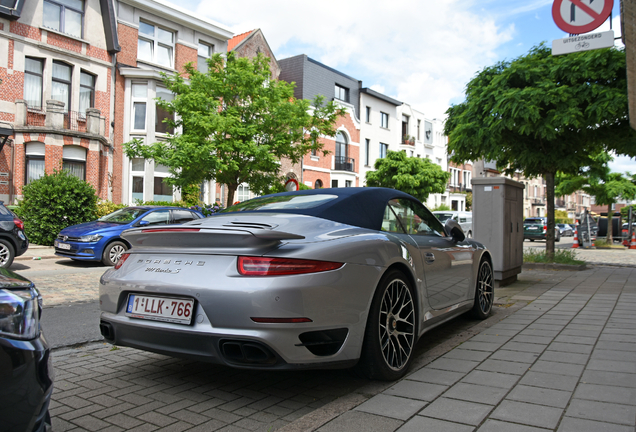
561, 256
601, 243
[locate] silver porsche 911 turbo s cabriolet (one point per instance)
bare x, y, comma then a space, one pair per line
307, 279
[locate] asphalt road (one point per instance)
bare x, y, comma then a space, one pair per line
69, 289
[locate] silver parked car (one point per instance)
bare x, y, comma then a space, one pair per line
305, 279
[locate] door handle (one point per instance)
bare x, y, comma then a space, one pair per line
429, 258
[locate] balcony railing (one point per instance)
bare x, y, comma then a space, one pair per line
343, 163
74, 120
55, 116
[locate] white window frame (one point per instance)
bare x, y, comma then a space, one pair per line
138, 99
156, 42
201, 58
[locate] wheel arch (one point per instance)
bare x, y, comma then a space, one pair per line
10, 240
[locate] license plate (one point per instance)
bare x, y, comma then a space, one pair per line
174, 310
533, 228
63, 246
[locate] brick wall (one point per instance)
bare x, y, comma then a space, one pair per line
183, 55
254, 44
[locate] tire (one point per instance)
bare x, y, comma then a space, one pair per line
389, 339
112, 252
531, 240
484, 291
7, 253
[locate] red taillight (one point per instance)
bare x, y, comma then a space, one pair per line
281, 320
545, 228
259, 266
121, 260
18, 223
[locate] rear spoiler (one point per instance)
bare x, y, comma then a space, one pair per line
200, 238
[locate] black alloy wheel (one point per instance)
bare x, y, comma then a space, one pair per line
390, 335
484, 291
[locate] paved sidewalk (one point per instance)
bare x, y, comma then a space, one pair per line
565, 361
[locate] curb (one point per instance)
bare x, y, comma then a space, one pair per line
553, 266
31, 258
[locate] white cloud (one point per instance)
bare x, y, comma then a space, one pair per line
419, 52
623, 164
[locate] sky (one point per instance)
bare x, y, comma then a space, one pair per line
422, 52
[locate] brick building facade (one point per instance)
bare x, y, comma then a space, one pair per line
55, 92
156, 37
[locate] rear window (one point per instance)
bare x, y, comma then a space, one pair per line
534, 221
284, 202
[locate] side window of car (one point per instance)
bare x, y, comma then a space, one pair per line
391, 220
183, 216
159, 217
422, 221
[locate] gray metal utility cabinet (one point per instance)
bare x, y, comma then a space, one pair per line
498, 224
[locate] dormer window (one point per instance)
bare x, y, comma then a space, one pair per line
65, 16
342, 93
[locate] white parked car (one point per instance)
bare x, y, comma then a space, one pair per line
465, 219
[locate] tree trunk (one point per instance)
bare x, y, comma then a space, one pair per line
610, 218
231, 190
549, 186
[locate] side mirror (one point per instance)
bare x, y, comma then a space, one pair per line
454, 230
143, 223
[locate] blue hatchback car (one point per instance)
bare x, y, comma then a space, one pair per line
100, 240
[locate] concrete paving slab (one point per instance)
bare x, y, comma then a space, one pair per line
550, 381
419, 424
465, 354
476, 393
392, 406
491, 379
357, 421
540, 396
569, 424
557, 368
416, 390
507, 367
457, 411
500, 426
604, 393
602, 411
515, 356
435, 376
563, 357
528, 414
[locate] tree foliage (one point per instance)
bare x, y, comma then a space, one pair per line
54, 202
541, 114
236, 125
598, 181
415, 176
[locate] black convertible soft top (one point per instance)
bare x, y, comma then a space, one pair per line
358, 206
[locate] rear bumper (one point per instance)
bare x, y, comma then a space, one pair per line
236, 349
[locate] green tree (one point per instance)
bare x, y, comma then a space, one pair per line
598, 181
236, 125
541, 114
413, 175
53, 202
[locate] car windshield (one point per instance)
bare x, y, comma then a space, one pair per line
281, 202
443, 216
123, 216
